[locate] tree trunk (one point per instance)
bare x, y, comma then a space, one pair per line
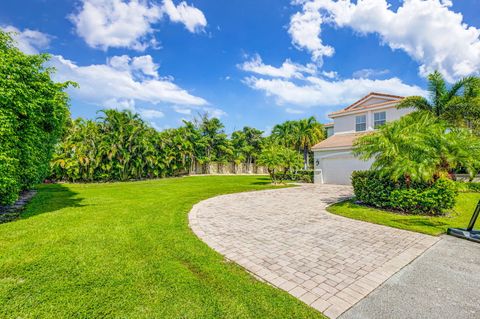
305, 157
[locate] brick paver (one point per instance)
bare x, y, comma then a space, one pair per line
287, 238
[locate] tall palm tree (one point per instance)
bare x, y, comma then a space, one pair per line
444, 99
309, 132
286, 134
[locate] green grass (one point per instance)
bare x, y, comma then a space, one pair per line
124, 250
460, 217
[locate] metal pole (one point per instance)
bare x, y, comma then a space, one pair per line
474, 217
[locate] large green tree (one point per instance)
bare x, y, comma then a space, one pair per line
458, 103
33, 112
300, 135
309, 133
247, 144
420, 147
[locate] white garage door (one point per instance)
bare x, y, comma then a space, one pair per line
338, 169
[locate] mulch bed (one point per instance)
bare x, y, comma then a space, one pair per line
12, 212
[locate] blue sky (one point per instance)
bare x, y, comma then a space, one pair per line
253, 63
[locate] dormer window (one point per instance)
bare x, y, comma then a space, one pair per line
379, 119
360, 123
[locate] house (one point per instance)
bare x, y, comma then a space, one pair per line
333, 158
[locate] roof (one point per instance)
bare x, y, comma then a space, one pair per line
328, 124
390, 99
339, 141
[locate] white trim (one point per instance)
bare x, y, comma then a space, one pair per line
337, 154
355, 111
339, 148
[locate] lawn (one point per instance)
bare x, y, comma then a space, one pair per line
124, 250
460, 217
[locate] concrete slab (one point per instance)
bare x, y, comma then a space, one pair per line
444, 282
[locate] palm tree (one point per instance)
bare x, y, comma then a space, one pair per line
286, 134
419, 147
300, 135
443, 100
309, 132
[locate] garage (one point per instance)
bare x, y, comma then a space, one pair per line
336, 167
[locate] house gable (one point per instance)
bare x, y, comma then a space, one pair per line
372, 98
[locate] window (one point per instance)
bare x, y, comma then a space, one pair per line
329, 130
361, 123
379, 119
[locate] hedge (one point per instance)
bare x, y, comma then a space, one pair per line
303, 176
33, 112
417, 198
469, 187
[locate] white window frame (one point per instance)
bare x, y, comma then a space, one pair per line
364, 123
329, 131
379, 121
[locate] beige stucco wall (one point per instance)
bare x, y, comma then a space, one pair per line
346, 123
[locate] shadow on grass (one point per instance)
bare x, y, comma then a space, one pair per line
421, 222
263, 181
51, 198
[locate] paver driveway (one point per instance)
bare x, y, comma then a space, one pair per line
287, 238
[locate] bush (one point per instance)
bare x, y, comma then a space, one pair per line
33, 111
418, 198
469, 187
303, 176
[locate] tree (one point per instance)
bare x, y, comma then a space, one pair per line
247, 144
277, 158
291, 161
419, 147
309, 133
33, 113
300, 135
458, 103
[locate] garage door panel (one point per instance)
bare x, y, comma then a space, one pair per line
338, 169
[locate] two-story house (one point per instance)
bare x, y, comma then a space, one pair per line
333, 158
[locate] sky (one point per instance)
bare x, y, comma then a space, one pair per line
249, 62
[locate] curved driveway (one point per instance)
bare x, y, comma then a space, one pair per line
287, 238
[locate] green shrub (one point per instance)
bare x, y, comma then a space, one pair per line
469, 187
371, 188
9, 185
303, 176
418, 198
33, 111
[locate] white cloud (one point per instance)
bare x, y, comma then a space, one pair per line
287, 70
150, 114
115, 23
305, 29
120, 104
211, 111
330, 74
193, 18
141, 66
293, 111
319, 92
28, 41
182, 110
369, 73
428, 31
214, 112
122, 81
300, 86
129, 24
